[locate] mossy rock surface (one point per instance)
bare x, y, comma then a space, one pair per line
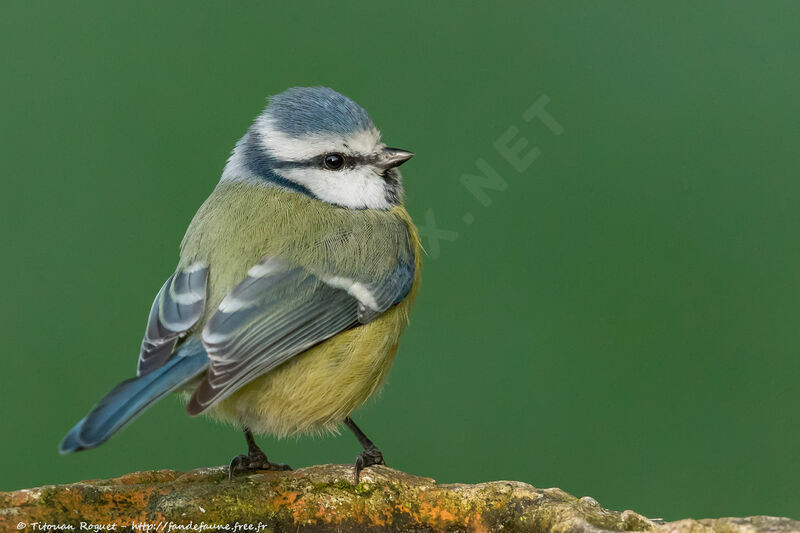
324, 498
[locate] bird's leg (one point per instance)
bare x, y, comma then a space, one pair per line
371, 454
255, 459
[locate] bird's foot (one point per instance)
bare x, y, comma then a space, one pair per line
254, 461
369, 457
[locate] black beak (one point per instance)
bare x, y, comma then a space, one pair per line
393, 157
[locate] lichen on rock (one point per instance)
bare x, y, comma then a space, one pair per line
324, 498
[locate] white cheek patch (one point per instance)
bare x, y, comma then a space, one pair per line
358, 188
287, 148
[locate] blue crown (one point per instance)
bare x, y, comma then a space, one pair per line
302, 110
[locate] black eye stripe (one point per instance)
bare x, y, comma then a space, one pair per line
319, 161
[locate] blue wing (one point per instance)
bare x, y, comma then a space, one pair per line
279, 311
177, 307
276, 312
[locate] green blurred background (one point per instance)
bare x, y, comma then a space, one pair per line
621, 321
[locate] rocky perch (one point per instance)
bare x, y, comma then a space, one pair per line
324, 498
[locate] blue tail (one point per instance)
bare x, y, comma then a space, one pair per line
133, 396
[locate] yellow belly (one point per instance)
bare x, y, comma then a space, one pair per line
314, 391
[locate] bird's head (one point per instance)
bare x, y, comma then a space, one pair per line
318, 142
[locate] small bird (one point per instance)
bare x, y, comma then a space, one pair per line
293, 286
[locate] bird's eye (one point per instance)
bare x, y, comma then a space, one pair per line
334, 161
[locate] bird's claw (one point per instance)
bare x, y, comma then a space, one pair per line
366, 459
244, 463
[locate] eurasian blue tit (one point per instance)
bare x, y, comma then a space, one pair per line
294, 284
